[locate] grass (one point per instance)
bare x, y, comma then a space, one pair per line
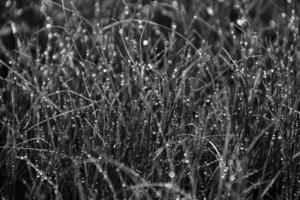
109, 101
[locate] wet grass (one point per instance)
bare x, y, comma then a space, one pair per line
153, 101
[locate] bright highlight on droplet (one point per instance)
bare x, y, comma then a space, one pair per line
171, 174
241, 21
145, 42
210, 11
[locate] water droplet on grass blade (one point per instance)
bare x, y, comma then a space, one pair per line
172, 174
145, 42
210, 11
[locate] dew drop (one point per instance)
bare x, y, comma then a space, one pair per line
171, 174
232, 178
210, 11
145, 42
8, 4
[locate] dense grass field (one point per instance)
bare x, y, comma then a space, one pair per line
140, 99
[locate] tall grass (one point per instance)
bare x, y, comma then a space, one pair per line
200, 103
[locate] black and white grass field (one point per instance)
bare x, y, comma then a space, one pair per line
142, 99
